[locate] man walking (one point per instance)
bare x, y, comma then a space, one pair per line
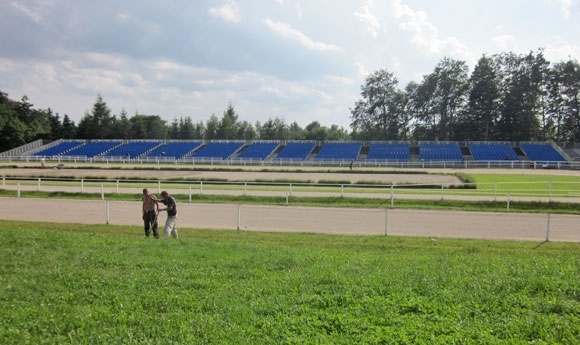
150, 211
171, 208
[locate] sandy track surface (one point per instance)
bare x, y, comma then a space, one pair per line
252, 174
533, 227
481, 225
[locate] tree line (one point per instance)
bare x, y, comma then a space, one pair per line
507, 97
20, 123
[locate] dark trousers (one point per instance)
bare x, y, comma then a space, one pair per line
150, 222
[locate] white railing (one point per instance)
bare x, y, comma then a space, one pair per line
468, 164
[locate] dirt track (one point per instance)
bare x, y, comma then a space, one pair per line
307, 219
300, 219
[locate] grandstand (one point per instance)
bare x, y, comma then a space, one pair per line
440, 151
174, 149
218, 150
258, 150
389, 151
402, 154
94, 148
60, 148
295, 151
488, 151
133, 149
339, 151
543, 153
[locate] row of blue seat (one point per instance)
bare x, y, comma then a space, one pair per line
392, 152
261, 150
493, 152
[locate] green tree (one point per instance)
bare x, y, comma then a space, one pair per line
295, 132
69, 129
121, 127
147, 127
97, 123
227, 128
521, 88
211, 128
447, 89
377, 116
186, 128
272, 129
564, 100
482, 112
245, 131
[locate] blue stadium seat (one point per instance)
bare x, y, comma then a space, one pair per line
492, 152
175, 149
94, 148
436, 151
133, 149
389, 152
60, 149
542, 152
338, 151
258, 150
295, 151
220, 149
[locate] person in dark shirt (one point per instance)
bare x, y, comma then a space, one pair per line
171, 208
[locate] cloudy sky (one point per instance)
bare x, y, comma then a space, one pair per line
297, 60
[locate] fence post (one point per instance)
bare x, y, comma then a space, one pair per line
82, 185
200, 187
239, 215
190, 194
392, 195
341, 190
38, 186
102, 192
386, 220
548, 229
117, 187
158, 186
442, 189
107, 212
18, 189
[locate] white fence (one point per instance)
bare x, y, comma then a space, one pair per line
467, 164
507, 192
327, 220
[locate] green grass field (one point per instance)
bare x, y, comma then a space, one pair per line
86, 284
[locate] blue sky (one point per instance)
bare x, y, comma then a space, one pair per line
297, 60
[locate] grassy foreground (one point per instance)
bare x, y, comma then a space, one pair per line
86, 284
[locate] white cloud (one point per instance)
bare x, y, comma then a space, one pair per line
361, 69
366, 17
299, 60
423, 33
566, 7
559, 49
37, 18
289, 32
426, 36
230, 12
505, 42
